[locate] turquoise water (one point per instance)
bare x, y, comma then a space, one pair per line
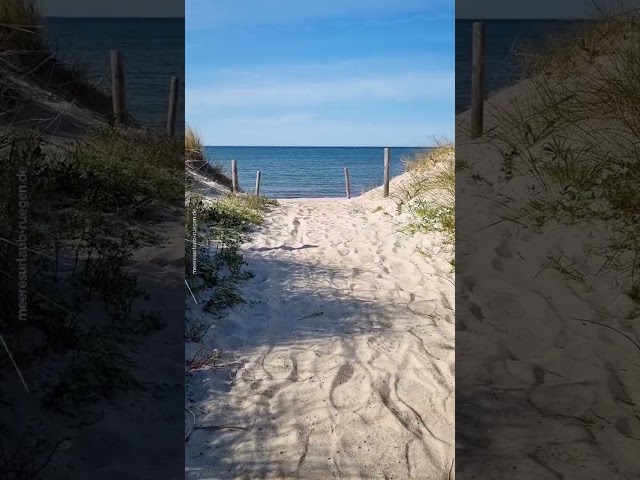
312, 172
153, 50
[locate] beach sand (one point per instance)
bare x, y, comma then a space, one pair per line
341, 365
542, 391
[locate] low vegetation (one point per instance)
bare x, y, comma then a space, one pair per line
27, 51
87, 204
198, 162
216, 227
575, 139
84, 206
428, 194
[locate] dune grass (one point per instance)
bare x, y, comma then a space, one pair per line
429, 194
215, 268
87, 208
197, 160
576, 139
27, 50
221, 226
193, 144
89, 204
215, 229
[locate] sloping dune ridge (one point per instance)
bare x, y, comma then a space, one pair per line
546, 337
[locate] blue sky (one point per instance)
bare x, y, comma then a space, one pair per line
322, 73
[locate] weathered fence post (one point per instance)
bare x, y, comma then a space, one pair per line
258, 183
173, 105
234, 175
118, 87
477, 79
386, 171
346, 182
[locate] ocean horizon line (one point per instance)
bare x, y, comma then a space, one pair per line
312, 146
526, 20
66, 17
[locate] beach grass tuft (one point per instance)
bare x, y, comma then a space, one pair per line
90, 199
577, 134
215, 229
197, 160
28, 52
429, 193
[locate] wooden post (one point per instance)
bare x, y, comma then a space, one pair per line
346, 182
386, 172
118, 87
173, 105
234, 175
258, 183
477, 80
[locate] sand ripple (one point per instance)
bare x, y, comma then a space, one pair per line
347, 355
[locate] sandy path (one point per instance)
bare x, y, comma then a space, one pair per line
346, 355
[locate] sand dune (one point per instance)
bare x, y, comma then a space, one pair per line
547, 388
205, 186
344, 358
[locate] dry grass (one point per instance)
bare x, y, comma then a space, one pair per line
566, 53
196, 159
217, 227
27, 51
429, 193
193, 144
576, 139
433, 173
89, 206
21, 26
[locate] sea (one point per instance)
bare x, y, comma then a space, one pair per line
153, 50
504, 39
289, 172
310, 172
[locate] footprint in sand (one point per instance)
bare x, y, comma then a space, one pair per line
503, 250
367, 258
383, 344
280, 367
296, 224
271, 391
469, 283
496, 263
476, 311
343, 393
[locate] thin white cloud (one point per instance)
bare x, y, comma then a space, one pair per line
398, 87
436, 63
270, 121
271, 131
